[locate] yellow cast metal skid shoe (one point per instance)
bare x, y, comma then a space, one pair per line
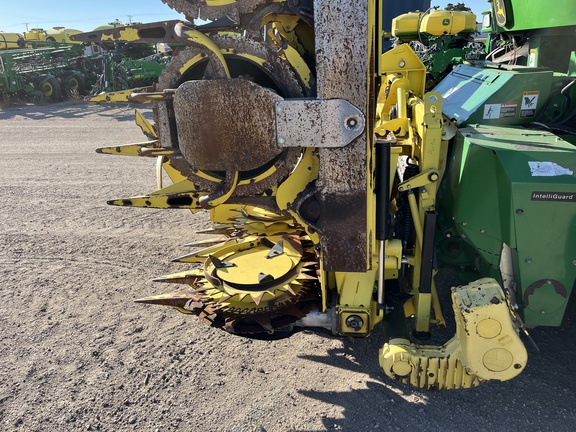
486, 345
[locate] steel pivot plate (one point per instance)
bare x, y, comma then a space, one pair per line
236, 129
317, 122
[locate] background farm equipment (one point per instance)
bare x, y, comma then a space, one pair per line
47, 73
115, 72
51, 65
125, 64
11, 41
347, 196
56, 34
438, 45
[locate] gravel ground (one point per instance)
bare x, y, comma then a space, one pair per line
77, 354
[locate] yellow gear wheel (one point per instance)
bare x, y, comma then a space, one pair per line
260, 285
251, 281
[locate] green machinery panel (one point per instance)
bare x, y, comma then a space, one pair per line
515, 15
497, 96
517, 187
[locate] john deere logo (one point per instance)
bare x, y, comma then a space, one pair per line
446, 22
500, 12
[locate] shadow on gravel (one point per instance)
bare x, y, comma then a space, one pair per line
74, 109
541, 398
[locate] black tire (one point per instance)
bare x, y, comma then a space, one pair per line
77, 83
51, 89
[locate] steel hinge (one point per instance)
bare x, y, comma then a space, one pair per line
317, 122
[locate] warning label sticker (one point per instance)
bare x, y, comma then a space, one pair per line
532, 62
499, 111
529, 103
547, 169
508, 110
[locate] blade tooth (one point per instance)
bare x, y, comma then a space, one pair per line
215, 248
205, 316
145, 126
242, 296
129, 149
201, 289
212, 308
203, 254
208, 242
189, 280
184, 277
226, 230
224, 298
265, 278
178, 299
182, 187
277, 249
305, 277
213, 227
297, 245
190, 258
181, 200
257, 213
218, 263
258, 298
290, 290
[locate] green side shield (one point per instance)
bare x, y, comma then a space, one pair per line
514, 188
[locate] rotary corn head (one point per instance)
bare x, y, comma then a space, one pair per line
342, 193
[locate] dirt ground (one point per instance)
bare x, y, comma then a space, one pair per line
77, 354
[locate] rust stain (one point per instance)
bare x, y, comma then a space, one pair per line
226, 125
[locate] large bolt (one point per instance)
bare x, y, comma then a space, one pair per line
351, 123
354, 322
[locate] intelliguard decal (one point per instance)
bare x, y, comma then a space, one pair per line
553, 196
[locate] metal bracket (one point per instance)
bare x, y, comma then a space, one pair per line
420, 180
317, 122
277, 249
